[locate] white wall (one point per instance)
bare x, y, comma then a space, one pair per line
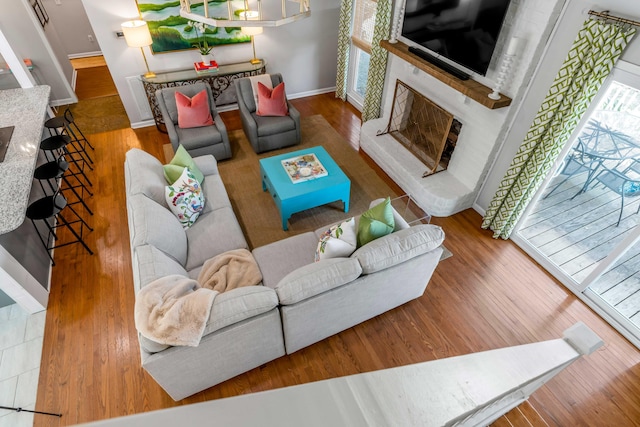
566, 30
72, 27
304, 52
28, 40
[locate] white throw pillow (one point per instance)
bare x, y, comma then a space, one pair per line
338, 241
185, 198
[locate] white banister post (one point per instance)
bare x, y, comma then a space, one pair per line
582, 339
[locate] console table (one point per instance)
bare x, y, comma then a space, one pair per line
220, 81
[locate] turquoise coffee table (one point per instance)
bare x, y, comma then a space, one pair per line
291, 198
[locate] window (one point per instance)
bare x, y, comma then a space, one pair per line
364, 20
361, 37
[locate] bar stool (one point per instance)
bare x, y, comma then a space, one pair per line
55, 147
50, 208
57, 170
68, 126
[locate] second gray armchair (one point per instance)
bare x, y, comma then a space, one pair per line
198, 141
266, 132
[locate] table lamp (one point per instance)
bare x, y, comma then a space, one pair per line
251, 15
253, 31
136, 34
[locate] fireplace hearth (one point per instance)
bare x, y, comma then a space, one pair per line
428, 131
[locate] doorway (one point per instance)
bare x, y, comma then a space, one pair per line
583, 224
99, 107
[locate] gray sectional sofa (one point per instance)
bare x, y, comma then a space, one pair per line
299, 301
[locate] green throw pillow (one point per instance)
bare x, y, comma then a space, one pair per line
181, 160
376, 222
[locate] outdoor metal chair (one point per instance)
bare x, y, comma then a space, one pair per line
608, 142
576, 163
625, 183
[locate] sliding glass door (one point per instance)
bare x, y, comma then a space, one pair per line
583, 224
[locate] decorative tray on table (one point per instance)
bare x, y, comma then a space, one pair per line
303, 168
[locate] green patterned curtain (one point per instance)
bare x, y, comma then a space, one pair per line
590, 60
344, 43
377, 63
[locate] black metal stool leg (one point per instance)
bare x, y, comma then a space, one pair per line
70, 227
73, 190
84, 138
50, 207
68, 115
78, 168
46, 245
77, 155
77, 145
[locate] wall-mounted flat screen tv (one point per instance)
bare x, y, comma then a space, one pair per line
464, 31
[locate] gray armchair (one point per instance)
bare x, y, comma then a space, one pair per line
266, 133
197, 141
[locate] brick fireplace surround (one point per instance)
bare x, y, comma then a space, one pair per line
456, 188
440, 194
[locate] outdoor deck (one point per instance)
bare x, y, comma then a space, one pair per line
576, 233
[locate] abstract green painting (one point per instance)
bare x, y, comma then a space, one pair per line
171, 32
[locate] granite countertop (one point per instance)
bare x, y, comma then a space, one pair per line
25, 109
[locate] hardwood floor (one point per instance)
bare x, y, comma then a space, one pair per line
490, 294
88, 62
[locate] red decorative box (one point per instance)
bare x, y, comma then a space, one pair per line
203, 67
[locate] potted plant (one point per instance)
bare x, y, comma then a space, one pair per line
202, 44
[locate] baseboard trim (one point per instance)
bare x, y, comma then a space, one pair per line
355, 102
59, 102
84, 54
476, 207
228, 107
311, 93
143, 124
234, 106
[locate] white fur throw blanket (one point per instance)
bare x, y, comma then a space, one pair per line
230, 270
174, 310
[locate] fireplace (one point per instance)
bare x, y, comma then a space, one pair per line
428, 131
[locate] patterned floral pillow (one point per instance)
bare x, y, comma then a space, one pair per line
185, 198
338, 241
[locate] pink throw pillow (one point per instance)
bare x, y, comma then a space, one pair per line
193, 112
272, 102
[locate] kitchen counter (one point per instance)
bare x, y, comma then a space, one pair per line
25, 109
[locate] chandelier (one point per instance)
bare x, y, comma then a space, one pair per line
245, 13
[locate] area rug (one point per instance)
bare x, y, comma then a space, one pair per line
98, 115
94, 82
255, 209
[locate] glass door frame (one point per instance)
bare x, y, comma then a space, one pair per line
18, 68
628, 74
353, 97
359, 44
